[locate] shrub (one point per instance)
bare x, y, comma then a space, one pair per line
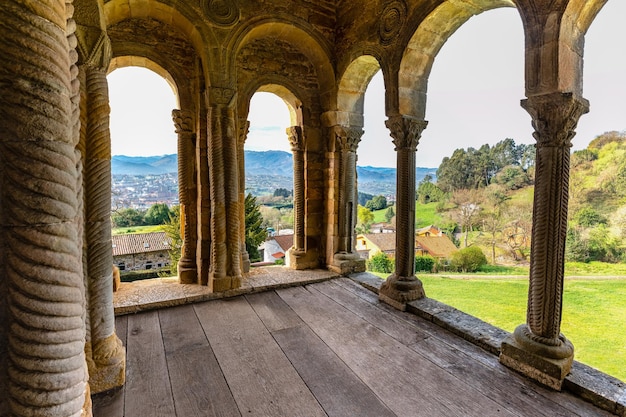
380, 263
468, 259
424, 263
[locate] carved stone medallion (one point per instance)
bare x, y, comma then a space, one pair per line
392, 20
221, 12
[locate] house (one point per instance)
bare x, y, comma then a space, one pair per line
141, 251
429, 231
440, 247
382, 228
276, 247
369, 244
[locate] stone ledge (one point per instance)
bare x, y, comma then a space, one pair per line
598, 388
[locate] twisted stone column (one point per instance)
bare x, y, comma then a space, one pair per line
244, 127
402, 286
225, 212
105, 353
537, 348
42, 332
294, 135
183, 121
346, 259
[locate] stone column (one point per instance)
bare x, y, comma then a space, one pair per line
346, 259
225, 229
183, 121
537, 348
43, 369
105, 353
244, 126
294, 134
203, 198
402, 286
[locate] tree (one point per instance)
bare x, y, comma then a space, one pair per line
389, 213
172, 229
255, 232
158, 213
468, 259
428, 192
378, 202
365, 218
127, 217
364, 197
282, 192
380, 263
493, 218
467, 208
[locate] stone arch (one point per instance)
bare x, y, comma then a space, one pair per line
282, 90
424, 46
352, 86
316, 51
577, 19
137, 61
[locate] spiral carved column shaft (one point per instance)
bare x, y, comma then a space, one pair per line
225, 254
347, 140
244, 126
402, 286
294, 134
183, 121
43, 370
539, 340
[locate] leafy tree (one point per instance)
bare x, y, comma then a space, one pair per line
513, 177
468, 259
467, 204
493, 217
588, 216
282, 192
365, 218
517, 231
364, 198
380, 263
389, 213
255, 232
379, 202
172, 229
158, 213
428, 192
127, 217
576, 248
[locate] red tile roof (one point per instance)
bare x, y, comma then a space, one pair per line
140, 243
284, 241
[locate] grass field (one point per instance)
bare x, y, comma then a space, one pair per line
136, 229
594, 312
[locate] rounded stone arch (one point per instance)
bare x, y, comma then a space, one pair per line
124, 61
423, 47
577, 19
314, 48
282, 90
352, 85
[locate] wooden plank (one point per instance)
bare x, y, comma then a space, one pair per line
262, 380
111, 404
198, 386
466, 361
408, 383
181, 329
336, 387
273, 311
148, 391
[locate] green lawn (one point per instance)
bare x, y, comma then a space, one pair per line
425, 215
594, 312
136, 229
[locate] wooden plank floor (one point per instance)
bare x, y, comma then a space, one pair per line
327, 349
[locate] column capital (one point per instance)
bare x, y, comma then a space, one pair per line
183, 121
220, 96
244, 128
347, 137
294, 134
405, 131
94, 47
554, 117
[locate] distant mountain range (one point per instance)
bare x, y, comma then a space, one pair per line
266, 163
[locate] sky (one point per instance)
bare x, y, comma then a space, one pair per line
474, 91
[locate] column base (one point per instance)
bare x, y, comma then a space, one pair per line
108, 368
397, 291
245, 261
187, 271
546, 364
221, 284
347, 263
301, 259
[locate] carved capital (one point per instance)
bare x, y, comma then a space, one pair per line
405, 131
244, 128
183, 121
554, 117
220, 95
94, 47
348, 138
294, 134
